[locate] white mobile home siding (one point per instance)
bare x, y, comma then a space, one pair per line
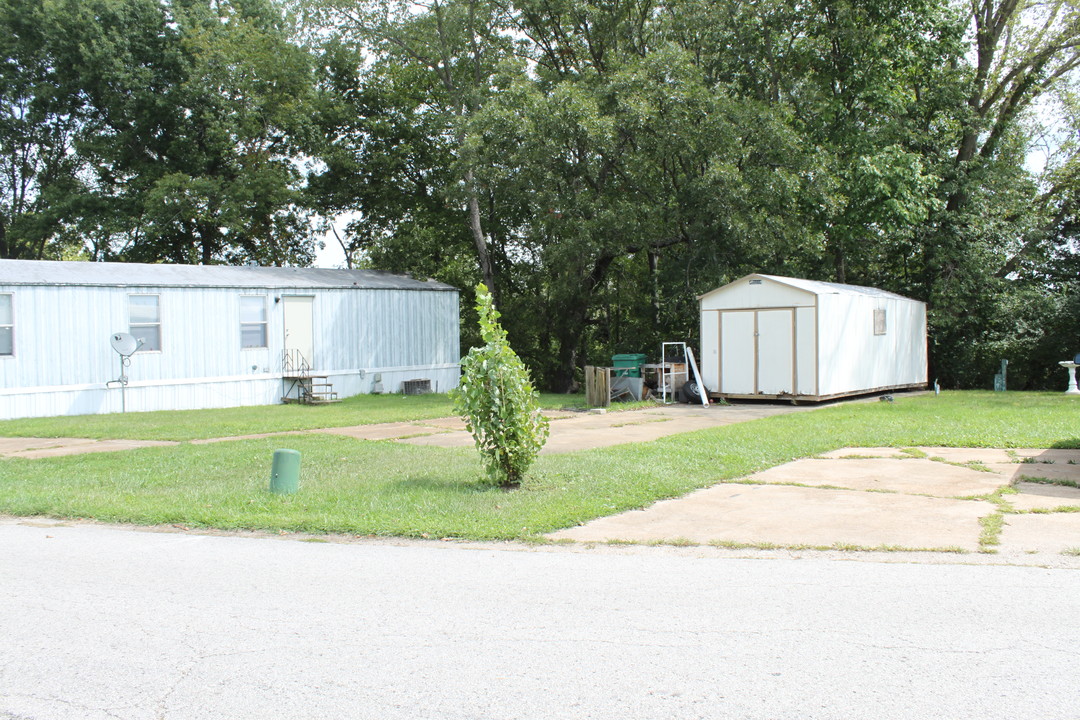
401, 330
769, 336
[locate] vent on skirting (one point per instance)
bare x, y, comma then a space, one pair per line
416, 387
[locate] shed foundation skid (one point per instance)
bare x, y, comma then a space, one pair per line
818, 398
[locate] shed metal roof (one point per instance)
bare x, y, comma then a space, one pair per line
820, 287
817, 287
50, 272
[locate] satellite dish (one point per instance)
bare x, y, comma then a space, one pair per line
124, 343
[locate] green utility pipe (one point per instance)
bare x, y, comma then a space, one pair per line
285, 472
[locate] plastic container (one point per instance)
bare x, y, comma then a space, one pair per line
628, 364
285, 472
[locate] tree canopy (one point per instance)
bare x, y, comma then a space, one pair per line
595, 163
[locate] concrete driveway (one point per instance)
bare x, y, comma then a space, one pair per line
570, 431
880, 498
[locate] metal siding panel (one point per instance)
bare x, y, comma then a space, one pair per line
64, 336
201, 339
365, 346
378, 332
373, 329
404, 315
326, 333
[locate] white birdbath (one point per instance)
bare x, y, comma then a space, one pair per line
1071, 367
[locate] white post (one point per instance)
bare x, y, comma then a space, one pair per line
1071, 367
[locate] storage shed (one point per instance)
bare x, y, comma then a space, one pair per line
766, 336
214, 336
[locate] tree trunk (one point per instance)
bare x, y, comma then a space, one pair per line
654, 258
839, 260
568, 335
570, 327
483, 255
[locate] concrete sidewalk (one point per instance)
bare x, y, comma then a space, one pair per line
874, 498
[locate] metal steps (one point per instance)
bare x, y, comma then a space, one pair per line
309, 389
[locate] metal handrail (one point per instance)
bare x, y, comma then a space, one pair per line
293, 361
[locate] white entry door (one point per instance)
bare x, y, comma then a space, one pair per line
298, 326
776, 351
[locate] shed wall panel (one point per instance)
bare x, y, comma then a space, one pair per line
844, 342
854, 358
768, 294
806, 365
710, 348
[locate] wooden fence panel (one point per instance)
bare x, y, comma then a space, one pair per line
597, 386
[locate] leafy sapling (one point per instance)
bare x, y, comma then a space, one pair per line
498, 402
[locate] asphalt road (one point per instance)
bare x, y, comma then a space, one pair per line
99, 622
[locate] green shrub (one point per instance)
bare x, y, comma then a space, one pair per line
498, 402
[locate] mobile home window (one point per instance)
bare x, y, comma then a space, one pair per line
252, 321
145, 321
879, 321
7, 326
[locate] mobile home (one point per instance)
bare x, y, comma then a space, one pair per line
213, 336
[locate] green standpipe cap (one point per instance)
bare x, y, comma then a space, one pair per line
285, 472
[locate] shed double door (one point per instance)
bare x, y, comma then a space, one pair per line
757, 352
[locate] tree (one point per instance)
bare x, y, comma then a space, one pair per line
202, 108
613, 170
387, 162
623, 157
994, 215
147, 130
497, 400
41, 114
459, 43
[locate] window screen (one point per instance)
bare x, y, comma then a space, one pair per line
252, 321
145, 321
7, 326
879, 321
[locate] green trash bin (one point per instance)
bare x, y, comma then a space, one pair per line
628, 364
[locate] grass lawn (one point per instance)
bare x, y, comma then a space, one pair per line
387, 488
195, 424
